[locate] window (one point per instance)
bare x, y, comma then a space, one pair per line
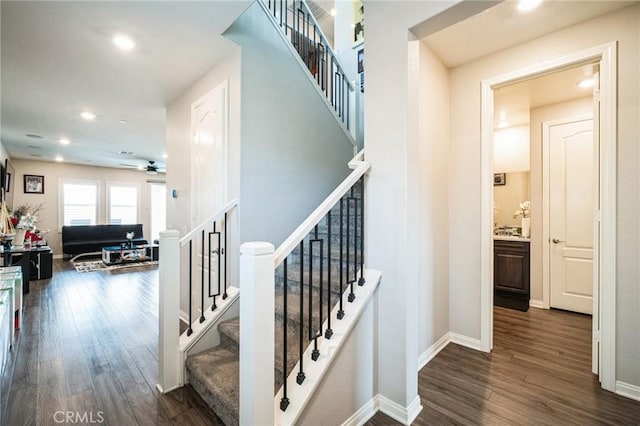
122, 204
79, 203
158, 209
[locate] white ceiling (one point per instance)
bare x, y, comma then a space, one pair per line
58, 60
503, 26
513, 103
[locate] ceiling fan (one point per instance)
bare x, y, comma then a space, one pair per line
150, 168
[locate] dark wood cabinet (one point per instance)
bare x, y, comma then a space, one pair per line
511, 270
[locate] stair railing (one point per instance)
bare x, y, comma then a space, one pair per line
336, 225
300, 28
207, 279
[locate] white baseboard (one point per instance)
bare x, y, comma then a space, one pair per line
58, 256
360, 417
404, 415
627, 390
536, 304
468, 342
432, 351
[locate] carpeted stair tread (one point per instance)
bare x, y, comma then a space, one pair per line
230, 337
230, 334
293, 279
214, 374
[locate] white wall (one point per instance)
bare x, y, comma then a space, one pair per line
508, 198
54, 172
178, 148
350, 381
392, 191
343, 38
433, 221
538, 116
511, 149
294, 152
348, 56
465, 169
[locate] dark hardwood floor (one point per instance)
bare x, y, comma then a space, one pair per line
539, 373
88, 345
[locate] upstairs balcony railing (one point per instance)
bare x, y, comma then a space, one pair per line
299, 26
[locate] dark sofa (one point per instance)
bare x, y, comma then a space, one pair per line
92, 238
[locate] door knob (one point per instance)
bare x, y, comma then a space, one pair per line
556, 241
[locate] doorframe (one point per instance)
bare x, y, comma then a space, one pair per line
546, 208
606, 55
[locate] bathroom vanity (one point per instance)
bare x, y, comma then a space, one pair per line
511, 272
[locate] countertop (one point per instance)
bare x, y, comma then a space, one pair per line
510, 238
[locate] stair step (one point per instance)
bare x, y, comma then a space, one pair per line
230, 336
214, 374
293, 279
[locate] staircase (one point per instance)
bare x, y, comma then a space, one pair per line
316, 270
334, 270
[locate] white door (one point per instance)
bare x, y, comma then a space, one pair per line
208, 154
571, 203
209, 147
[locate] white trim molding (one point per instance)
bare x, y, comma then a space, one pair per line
534, 303
606, 55
467, 342
404, 415
627, 390
360, 417
433, 350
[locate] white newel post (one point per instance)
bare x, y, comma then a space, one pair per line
169, 364
256, 333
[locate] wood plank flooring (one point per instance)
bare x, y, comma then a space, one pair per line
539, 373
88, 345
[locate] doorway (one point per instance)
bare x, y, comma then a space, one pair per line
604, 249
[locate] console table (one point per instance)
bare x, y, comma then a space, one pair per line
36, 263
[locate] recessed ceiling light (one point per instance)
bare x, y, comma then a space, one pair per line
33, 136
64, 141
502, 124
87, 115
59, 158
585, 84
123, 42
123, 121
527, 5
165, 156
332, 12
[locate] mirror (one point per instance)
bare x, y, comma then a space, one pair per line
507, 198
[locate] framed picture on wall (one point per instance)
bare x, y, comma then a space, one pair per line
499, 179
358, 23
33, 184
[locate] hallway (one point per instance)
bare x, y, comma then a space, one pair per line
538, 373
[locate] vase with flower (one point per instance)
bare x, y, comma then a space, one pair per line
525, 212
24, 219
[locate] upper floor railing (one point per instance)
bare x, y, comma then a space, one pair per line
299, 26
